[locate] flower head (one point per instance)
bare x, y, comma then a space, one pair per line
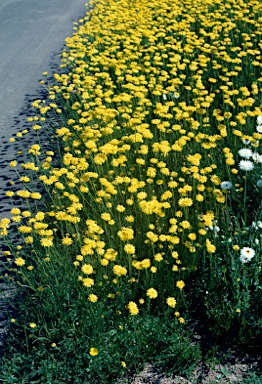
246, 165
92, 298
171, 302
93, 351
245, 152
152, 293
226, 185
259, 120
246, 254
132, 307
180, 284
19, 261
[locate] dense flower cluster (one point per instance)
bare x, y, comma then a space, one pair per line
157, 100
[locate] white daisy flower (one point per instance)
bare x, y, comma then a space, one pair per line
245, 141
245, 152
246, 165
259, 120
259, 128
246, 254
226, 185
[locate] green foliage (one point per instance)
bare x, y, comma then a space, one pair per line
131, 341
227, 290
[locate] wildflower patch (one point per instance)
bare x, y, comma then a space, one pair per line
159, 177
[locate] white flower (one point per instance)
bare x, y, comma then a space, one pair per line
259, 128
259, 120
216, 229
246, 254
245, 141
164, 96
256, 241
257, 225
259, 183
246, 165
254, 224
257, 157
245, 152
226, 185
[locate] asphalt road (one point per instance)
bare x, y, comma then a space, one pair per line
32, 34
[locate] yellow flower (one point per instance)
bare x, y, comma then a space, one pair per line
87, 269
171, 302
104, 262
67, 241
185, 224
211, 248
19, 261
192, 236
93, 351
180, 284
132, 307
9, 193
120, 208
88, 282
118, 270
15, 211
32, 325
106, 216
23, 193
130, 219
36, 195
46, 242
123, 364
92, 298
129, 249
13, 163
152, 293
158, 257
126, 233
185, 202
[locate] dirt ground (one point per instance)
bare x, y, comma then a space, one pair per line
219, 374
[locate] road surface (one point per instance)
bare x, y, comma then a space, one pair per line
32, 34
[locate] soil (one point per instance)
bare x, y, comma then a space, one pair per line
219, 374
